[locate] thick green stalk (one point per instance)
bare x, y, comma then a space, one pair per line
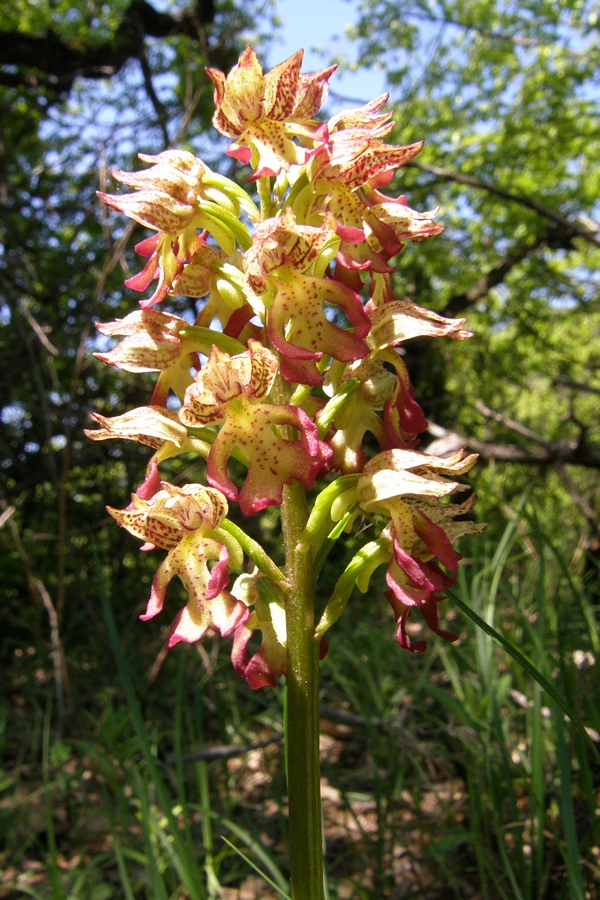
302, 727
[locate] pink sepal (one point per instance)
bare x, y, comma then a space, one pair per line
422, 575
142, 280
151, 484
435, 538
242, 154
269, 662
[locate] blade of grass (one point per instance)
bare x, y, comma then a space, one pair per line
23, 889
567, 812
52, 870
155, 880
529, 667
184, 858
214, 888
587, 611
504, 793
128, 893
281, 891
279, 882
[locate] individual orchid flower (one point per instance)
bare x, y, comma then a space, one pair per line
176, 197
265, 113
394, 474
395, 321
366, 120
167, 192
283, 241
379, 390
153, 342
356, 158
185, 522
227, 392
284, 265
156, 427
268, 616
407, 487
343, 175
392, 323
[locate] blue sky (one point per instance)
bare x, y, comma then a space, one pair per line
321, 24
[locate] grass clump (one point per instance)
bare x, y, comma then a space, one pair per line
452, 774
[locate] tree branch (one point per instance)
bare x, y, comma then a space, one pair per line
516, 39
517, 427
576, 385
588, 230
491, 278
159, 107
45, 59
569, 452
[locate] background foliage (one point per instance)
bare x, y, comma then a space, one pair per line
506, 96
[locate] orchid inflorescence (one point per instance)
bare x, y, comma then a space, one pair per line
293, 359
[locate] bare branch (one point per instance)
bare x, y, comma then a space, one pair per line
586, 229
509, 423
576, 385
38, 591
218, 751
569, 452
491, 278
46, 60
592, 517
159, 107
229, 751
516, 39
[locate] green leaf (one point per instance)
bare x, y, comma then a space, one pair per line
529, 667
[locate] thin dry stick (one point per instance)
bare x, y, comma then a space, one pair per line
38, 590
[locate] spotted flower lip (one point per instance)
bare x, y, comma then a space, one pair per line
283, 261
228, 391
300, 330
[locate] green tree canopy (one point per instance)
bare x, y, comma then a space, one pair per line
83, 86
505, 95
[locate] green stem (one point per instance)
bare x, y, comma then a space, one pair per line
302, 726
267, 207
